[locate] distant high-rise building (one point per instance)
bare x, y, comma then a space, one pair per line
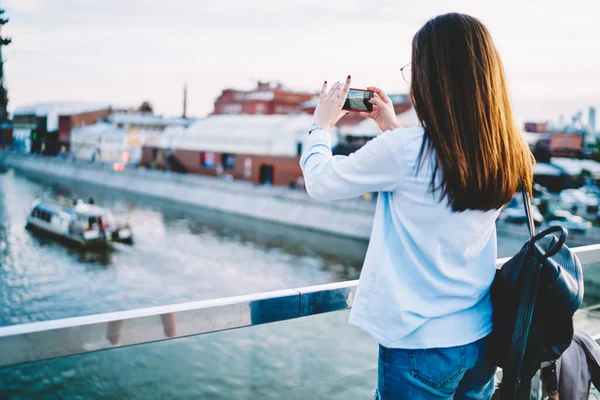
592, 120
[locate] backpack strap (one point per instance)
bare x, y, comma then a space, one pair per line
527, 206
510, 380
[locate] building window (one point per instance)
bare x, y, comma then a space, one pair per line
259, 109
208, 159
247, 168
228, 161
232, 109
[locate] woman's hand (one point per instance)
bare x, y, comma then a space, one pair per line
329, 110
383, 111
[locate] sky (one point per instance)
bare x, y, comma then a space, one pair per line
122, 52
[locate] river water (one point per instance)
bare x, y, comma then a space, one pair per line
183, 255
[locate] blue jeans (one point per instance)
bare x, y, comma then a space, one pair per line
462, 372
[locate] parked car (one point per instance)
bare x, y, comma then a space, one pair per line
591, 189
593, 194
575, 199
540, 192
572, 223
598, 216
516, 215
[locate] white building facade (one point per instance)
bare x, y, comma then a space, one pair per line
122, 137
44, 117
269, 135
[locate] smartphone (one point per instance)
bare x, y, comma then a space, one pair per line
358, 100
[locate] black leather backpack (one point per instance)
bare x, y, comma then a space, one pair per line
534, 296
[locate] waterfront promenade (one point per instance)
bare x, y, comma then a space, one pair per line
347, 218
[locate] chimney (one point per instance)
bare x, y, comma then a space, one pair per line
592, 120
185, 100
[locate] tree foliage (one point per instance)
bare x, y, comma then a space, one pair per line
146, 107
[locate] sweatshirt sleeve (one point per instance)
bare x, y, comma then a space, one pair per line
374, 167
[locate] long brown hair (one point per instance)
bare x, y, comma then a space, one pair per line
459, 92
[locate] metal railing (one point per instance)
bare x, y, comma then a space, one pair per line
46, 340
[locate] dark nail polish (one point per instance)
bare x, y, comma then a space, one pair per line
348, 76
325, 81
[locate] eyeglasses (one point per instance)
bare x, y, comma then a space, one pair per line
406, 72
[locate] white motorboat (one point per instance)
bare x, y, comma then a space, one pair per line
84, 224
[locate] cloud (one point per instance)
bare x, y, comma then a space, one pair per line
123, 51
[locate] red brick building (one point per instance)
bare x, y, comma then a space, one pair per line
566, 144
266, 98
46, 127
269, 98
259, 169
256, 148
556, 144
66, 123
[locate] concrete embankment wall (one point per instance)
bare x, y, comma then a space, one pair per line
351, 218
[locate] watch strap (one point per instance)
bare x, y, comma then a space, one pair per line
316, 127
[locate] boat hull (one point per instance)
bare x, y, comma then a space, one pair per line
72, 240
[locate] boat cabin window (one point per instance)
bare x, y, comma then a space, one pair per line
41, 214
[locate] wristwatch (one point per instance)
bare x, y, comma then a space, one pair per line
316, 127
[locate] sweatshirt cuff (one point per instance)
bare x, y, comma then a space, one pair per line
319, 136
